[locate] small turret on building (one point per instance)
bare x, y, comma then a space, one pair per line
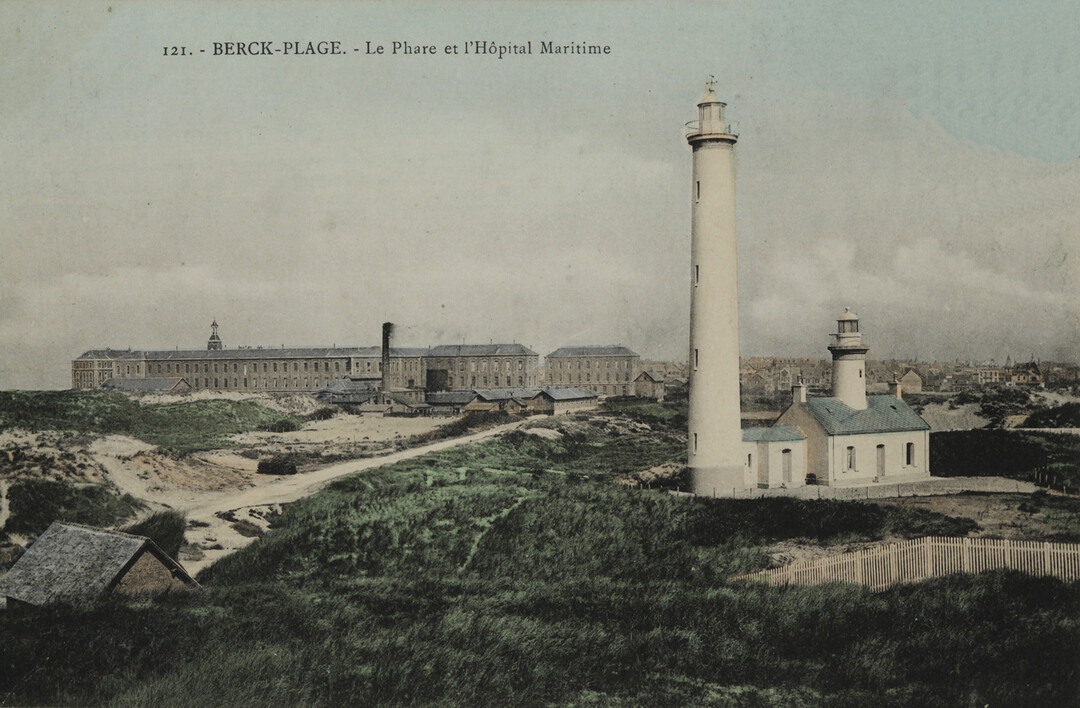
214, 343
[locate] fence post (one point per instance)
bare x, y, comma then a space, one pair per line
1046, 558
965, 554
928, 562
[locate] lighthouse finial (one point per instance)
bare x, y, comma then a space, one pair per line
711, 83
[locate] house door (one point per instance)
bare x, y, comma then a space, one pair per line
880, 461
785, 458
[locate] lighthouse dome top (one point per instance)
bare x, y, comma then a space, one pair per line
709, 97
848, 315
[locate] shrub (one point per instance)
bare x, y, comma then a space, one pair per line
277, 465
165, 528
36, 503
1063, 416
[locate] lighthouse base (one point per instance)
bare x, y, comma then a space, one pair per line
717, 481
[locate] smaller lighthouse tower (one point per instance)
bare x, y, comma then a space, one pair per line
849, 362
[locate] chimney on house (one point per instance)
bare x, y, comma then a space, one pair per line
894, 388
387, 332
798, 392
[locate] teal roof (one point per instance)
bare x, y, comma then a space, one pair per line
777, 433
883, 414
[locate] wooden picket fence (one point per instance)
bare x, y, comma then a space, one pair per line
929, 557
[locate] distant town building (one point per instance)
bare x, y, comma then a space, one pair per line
911, 382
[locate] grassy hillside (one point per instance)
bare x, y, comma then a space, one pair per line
176, 427
514, 573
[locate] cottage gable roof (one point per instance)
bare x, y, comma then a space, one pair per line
883, 414
593, 350
76, 565
649, 376
448, 350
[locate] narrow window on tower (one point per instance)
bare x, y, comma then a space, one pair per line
697, 188
697, 274
695, 359
695, 442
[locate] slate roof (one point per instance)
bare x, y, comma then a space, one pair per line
569, 393
505, 394
348, 391
777, 433
480, 350
111, 354
254, 353
652, 376
163, 385
593, 350
76, 565
883, 414
450, 398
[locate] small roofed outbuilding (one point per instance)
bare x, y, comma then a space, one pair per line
160, 385
76, 565
649, 384
344, 391
510, 400
557, 400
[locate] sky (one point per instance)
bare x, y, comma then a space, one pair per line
918, 162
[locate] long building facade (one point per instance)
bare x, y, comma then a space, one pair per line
606, 369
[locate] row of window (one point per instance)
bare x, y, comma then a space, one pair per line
569, 378
598, 364
909, 456
506, 365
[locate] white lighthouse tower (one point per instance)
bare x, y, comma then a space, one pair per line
849, 362
715, 455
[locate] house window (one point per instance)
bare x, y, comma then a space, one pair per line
850, 458
909, 454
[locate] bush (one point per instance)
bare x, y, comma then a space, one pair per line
1063, 416
284, 425
277, 465
165, 528
36, 503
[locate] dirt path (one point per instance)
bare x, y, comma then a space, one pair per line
218, 537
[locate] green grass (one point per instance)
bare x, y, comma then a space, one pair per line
513, 572
36, 503
177, 428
